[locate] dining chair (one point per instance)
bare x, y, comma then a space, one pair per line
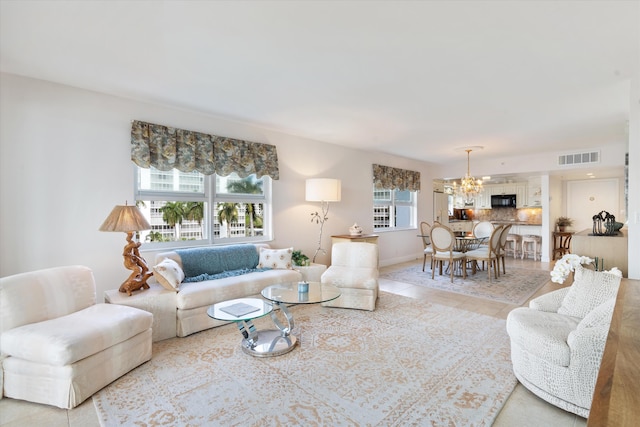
443, 241
503, 247
482, 229
425, 230
488, 254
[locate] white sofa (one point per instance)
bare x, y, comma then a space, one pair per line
58, 346
194, 298
557, 342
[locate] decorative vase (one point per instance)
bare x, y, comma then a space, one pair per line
355, 229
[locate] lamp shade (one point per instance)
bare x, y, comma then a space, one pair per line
323, 190
124, 219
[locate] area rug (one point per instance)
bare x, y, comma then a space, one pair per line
515, 287
406, 363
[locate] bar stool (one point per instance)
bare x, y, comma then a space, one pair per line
529, 242
514, 241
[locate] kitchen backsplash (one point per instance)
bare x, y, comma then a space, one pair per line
531, 215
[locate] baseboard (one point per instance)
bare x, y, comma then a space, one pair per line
398, 260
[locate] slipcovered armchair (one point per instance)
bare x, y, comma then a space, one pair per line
354, 269
558, 341
58, 346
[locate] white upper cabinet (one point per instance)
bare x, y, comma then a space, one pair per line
522, 200
534, 192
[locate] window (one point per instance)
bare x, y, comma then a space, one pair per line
394, 209
184, 208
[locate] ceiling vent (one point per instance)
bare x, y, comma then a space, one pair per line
579, 158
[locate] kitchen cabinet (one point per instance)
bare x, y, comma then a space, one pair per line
534, 230
509, 189
502, 189
522, 200
483, 200
534, 193
461, 226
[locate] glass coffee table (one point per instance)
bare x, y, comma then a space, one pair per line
271, 342
285, 294
242, 311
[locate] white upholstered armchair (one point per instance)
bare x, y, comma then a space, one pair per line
558, 341
58, 346
354, 269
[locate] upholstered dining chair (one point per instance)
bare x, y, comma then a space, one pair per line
425, 230
502, 254
488, 254
443, 241
482, 229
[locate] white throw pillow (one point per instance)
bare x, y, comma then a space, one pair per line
589, 290
599, 316
275, 258
169, 274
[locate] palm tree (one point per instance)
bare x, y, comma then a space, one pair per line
172, 214
155, 236
194, 211
228, 212
247, 186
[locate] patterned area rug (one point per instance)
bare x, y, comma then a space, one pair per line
515, 287
407, 363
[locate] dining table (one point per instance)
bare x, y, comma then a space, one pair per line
463, 243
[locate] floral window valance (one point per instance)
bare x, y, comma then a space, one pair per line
166, 148
389, 178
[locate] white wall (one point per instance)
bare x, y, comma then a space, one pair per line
65, 163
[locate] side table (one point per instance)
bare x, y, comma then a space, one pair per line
367, 238
561, 243
156, 300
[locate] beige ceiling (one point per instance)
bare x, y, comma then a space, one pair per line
412, 78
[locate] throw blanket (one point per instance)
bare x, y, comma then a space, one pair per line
217, 259
203, 277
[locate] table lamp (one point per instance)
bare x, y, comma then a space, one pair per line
129, 219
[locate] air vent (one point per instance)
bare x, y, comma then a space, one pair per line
579, 158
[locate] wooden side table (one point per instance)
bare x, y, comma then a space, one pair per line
156, 300
368, 238
561, 243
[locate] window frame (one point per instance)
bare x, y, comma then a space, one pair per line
210, 199
393, 204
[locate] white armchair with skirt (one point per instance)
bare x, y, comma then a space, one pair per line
58, 345
354, 270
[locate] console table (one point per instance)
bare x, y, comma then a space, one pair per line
613, 249
368, 238
615, 400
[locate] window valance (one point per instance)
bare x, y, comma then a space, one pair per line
166, 148
390, 178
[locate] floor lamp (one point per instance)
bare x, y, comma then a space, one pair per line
323, 190
129, 219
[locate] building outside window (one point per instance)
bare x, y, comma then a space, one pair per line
394, 209
186, 208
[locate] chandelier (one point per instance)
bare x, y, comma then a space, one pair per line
469, 186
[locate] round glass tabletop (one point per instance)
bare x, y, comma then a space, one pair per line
287, 293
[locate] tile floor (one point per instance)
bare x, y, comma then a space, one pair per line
523, 409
